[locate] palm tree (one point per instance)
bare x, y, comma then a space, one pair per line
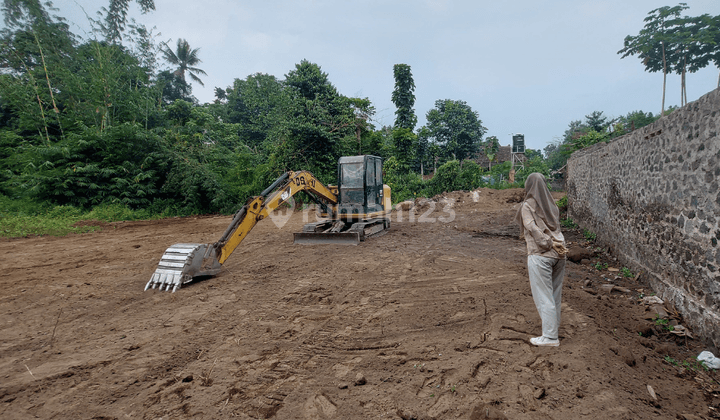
184, 58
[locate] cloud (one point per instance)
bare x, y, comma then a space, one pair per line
255, 41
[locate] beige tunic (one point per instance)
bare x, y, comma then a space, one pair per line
538, 236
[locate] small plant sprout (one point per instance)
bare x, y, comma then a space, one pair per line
626, 272
590, 236
664, 323
568, 223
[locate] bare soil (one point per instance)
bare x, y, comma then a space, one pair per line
428, 321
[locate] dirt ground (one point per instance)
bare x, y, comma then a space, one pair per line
428, 321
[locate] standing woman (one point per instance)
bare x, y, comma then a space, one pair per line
540, 218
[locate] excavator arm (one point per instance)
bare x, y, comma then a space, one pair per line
182, 262
262, 206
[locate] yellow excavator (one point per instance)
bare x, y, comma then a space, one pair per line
358, 207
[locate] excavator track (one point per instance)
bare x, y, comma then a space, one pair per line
333, 233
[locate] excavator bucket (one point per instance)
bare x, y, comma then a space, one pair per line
181, 263
319, 238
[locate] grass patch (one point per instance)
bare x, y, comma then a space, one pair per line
22, 218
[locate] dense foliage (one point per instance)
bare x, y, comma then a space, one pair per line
595, 129
110, 122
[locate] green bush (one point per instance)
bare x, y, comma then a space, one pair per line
536, 164
404, 185
470, 176
562, 203
119, 165
446, 178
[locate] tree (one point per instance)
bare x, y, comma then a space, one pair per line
492, 146
596, 121
532, 154
674, 44
634, 120
145, 48
422, 153
36, 51
695, 39
363, 110
405, 145
456, 128
318, 119
715, 54
592, 137
185, 59
173, 88
116, 18
24, 13
403, 97
259, 104
310, 81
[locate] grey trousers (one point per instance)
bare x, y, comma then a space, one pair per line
546, 279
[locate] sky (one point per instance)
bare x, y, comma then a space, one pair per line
525, 66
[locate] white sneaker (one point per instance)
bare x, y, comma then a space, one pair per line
544, 341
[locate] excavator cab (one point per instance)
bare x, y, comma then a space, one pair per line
360, 184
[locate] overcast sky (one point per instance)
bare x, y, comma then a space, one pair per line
529, 66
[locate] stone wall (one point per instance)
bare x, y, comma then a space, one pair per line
652, 197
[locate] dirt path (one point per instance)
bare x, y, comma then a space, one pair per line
430, 320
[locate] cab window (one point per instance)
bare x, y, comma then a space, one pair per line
352, 175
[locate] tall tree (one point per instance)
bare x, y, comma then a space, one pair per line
405, 143
319, 118
403, 97
695, 40
185, 58
36, 51
144, 46
456, 128
116, 18
310, 81
715, 53
654, 43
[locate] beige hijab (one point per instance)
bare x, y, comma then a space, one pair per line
546, 209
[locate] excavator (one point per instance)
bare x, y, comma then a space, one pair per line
356, 208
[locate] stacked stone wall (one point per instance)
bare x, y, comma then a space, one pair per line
652, 197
